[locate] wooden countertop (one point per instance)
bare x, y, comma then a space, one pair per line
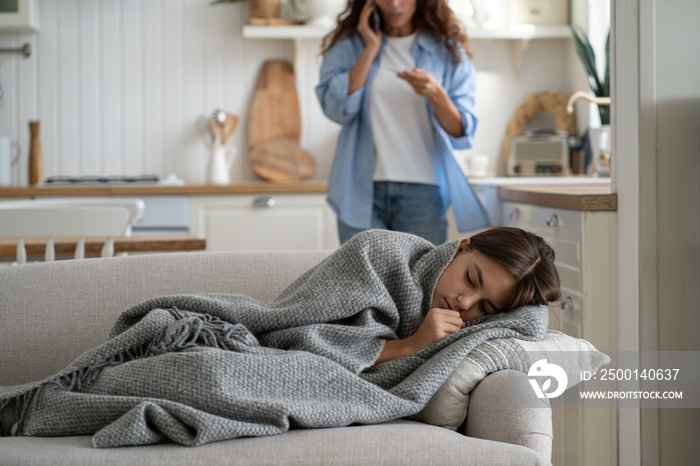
93, 245
588, 197
577, 197
248, 187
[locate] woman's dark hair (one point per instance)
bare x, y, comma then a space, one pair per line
432, 16
528, 257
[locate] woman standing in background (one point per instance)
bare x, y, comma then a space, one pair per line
398, 79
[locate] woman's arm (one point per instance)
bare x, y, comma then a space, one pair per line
438, 324
373, 41
359, 72
344, 72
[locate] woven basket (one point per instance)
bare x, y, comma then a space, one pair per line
264, 8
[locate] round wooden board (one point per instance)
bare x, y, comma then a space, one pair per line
281, 160
274, 111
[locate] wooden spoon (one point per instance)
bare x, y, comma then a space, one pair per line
229, 126
214, 128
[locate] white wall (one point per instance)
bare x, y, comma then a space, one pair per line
123, 86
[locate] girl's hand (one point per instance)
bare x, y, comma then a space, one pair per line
438, 324
372, 39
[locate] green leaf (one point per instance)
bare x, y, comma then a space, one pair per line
587, 56
604, 112
606, 78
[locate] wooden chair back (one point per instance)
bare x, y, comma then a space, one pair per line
77, 218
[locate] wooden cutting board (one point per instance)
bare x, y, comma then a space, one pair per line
274, 112
281, 160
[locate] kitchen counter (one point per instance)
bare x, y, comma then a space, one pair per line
584, 197
133, 189
576, 194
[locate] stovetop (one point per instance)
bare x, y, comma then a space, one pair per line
119, 179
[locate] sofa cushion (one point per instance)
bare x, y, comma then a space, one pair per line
82, 298
398, 442
521, 417
448, 407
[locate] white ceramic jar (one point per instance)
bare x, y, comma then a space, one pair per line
320, 12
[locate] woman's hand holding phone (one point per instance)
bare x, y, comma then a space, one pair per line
375, 19
371, 36
373, 42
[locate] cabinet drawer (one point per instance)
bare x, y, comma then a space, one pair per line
567, 251
562, 221
277, 222
571, 313
561, 228
570, 277
517, 215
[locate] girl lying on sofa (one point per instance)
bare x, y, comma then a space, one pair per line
494, 271
366, 336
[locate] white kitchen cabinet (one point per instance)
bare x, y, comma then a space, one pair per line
263, 221
584, 244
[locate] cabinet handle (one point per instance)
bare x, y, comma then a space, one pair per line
567, 304
553, 221
264, 202
515, 213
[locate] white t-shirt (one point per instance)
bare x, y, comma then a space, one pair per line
400, 124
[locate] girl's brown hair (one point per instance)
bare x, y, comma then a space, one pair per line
432, 16
528, 257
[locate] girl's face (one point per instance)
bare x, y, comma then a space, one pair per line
397, 16
474, 285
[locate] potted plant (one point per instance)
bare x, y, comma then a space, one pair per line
599, 86
258, 8
599, 137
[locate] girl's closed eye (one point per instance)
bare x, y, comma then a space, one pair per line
469, 280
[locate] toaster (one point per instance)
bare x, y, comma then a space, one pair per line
538, 154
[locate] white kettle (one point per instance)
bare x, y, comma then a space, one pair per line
220, 162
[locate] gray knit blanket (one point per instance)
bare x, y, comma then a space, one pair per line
195, 369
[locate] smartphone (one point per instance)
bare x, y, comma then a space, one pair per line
374, 19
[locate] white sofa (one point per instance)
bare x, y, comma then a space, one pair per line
52, 312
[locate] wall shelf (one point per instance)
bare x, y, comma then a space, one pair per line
301, 31
519, 36
316, 32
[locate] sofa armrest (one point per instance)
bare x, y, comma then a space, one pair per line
503, 407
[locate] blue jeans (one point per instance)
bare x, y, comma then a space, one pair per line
409, 207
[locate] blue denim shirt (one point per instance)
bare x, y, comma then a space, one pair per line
350, 183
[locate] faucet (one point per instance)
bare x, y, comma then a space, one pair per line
584, 95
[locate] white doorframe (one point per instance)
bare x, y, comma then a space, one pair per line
634, 145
